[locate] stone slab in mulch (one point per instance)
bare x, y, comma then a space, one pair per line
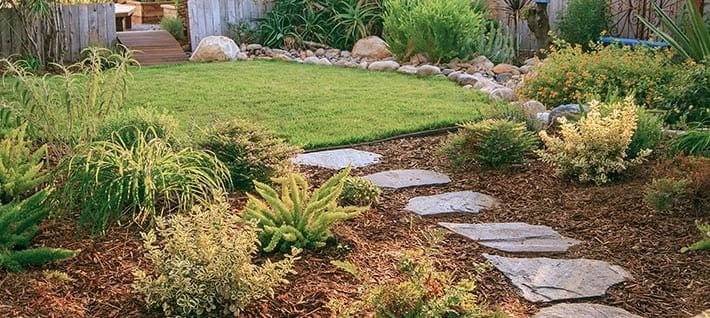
451, 202
546, 279
583, 311
398, 179
338, 159
514, 237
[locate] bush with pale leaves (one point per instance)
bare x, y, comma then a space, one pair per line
594, 148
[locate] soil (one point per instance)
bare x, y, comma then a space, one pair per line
611, 220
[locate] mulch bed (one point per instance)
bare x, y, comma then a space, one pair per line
612, 221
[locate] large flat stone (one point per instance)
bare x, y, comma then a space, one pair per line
398, 179
338, 159
452, 202
583, 311
514, 237
545, 279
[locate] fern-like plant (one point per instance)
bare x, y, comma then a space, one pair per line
704, 243
296, 218
20, 167
496, 43
18, 225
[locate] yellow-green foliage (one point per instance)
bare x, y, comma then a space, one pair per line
203, 265
569, 75
296, 218
665, 193
20, 167
593, 149
704, 243
359, 192
424, 292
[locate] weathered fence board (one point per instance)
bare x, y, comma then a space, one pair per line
84, 25
214, 17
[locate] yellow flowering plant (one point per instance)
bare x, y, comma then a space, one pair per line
594, 148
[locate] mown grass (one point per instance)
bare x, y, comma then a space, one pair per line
310, 106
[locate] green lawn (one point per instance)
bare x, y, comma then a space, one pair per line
310, 106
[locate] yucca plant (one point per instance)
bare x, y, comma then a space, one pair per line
690, 37
108, 179
354, 20
496, 44
20, 167
296, 218
18, 225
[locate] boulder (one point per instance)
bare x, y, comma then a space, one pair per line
407, 69
324, 61
419, 59
446, 71
253, 47
465, 79
383, 66
215, 49
504, 94
320, 52
505, 68
454, 76
345, 53
480, 64
282, 57
311, 60
533, 107
428, 70
371, 47
570, 112
332, 53
502, 77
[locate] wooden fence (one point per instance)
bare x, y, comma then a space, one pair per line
624, 22
215, 17
84, 25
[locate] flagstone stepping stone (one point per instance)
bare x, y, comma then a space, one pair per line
514, 237
398, 179
451, 202
337, 159
583, 311
546, 279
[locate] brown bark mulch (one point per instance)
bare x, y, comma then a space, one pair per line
611, 220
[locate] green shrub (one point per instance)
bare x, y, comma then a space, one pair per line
359, 192
594, 148
491, 143
203, 265
66, 109
696, 172
242, 32
422, 292
174, 26
496, 43
702, 244
297, 218
692, 143
687, 97
249, 152
125, 126
440, 29
665, 193
106, 180
20, 167
570, 76
18, 225
647, 135
584, 21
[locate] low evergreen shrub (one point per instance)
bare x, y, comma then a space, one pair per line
664, 194
359, 192
202, 265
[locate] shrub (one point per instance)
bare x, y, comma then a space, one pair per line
496, 43
491, 143
696, 172
18, 225
687, 97
647, 135
664, 194
359, 192
424, 291
174, 26
584, 21
295, 218
242, 32
440, 29
594, 148
106, 180
702, 244
65, 109
570, 76
20, 167
127, 126
203, 265
692, 143
249, 152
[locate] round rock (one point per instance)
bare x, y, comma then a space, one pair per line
383, 66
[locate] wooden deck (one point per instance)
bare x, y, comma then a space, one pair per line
153, 47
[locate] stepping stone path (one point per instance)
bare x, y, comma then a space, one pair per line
337, 159
513, 237
583, 311
452, 202
547, 279
398, 179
